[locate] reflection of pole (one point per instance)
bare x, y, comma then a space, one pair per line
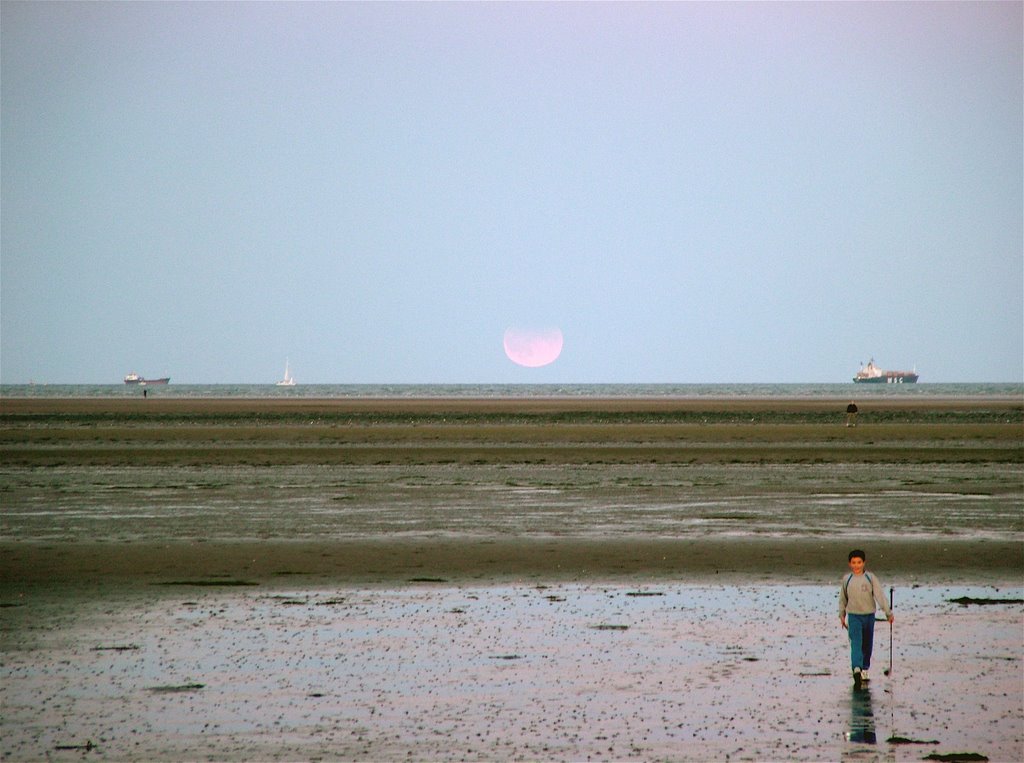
892, 712
892, 696
888, 671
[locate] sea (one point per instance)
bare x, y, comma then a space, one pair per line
1010, 390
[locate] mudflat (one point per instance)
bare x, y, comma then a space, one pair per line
396, 561
141, 432
554, 579
560, 672
476, 489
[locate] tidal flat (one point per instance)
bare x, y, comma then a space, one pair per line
367, 489
565, 672
373, 579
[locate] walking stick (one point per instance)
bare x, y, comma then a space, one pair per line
888, 670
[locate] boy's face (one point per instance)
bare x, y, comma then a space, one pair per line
857, 565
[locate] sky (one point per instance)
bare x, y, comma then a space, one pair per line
689, 192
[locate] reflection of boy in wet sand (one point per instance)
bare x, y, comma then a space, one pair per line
862, 717
859, 596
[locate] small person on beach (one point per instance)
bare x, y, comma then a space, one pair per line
851, 414
859, 596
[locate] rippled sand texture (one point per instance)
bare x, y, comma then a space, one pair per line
562, 672
79, 503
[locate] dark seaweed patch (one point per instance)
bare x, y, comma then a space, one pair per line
174, 689
907, 740
88, 746
207, 583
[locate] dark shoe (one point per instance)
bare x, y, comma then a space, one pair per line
857, 678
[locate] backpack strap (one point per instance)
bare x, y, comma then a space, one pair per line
846, 583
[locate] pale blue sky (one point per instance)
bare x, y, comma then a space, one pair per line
718, 192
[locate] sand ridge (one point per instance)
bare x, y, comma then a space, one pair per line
136, 432
460, 560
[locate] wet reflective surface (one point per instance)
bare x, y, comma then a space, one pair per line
75, 503
862, 717
560, 672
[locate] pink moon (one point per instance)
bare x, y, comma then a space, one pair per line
533, 347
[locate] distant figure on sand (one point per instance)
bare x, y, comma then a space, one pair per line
859, 596
851, 414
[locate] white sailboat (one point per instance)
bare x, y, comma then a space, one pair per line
288, 380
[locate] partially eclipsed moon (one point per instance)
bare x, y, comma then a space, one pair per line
532, 347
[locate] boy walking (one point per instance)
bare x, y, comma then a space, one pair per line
859, 596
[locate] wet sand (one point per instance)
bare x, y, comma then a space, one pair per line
461, 560
564, 672
212, 432
377, 490
424, 579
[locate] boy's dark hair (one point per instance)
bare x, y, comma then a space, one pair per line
857, 552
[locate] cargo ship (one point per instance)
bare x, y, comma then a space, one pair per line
872, 374
134, 378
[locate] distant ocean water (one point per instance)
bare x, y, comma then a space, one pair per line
270, 391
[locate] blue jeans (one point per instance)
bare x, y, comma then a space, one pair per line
862, 638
